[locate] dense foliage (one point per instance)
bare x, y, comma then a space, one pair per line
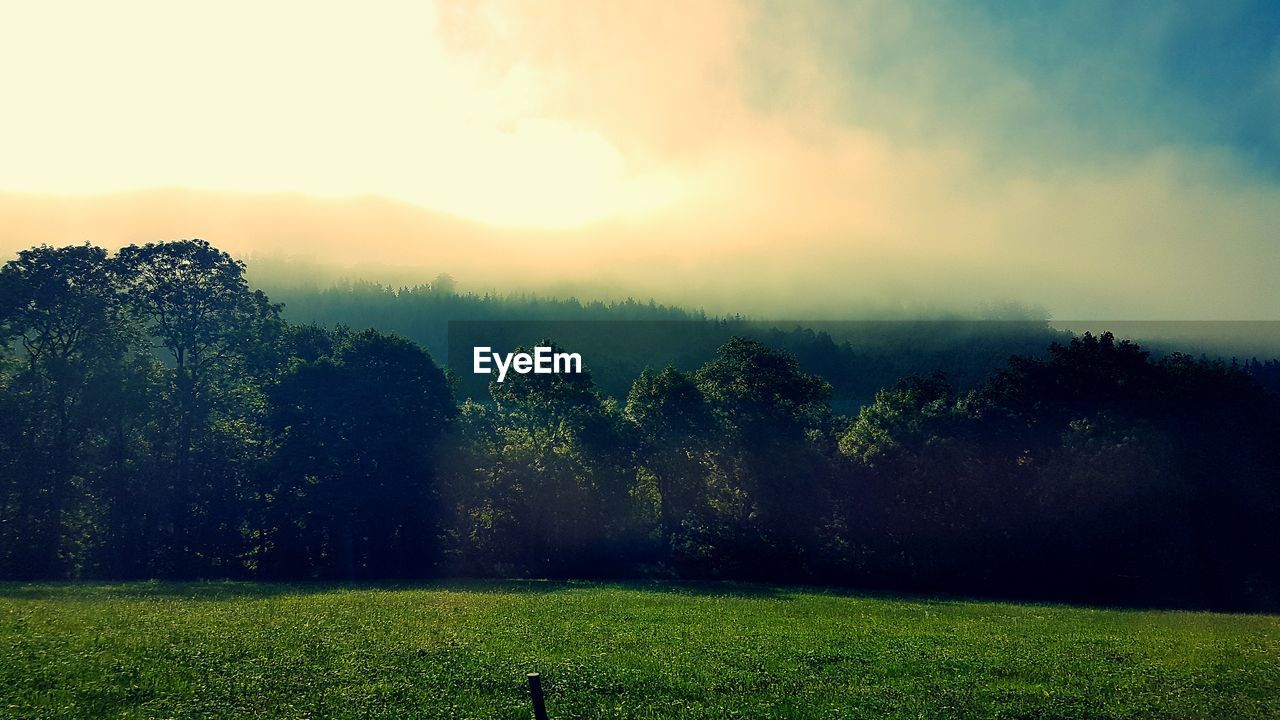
858, 357
159, 418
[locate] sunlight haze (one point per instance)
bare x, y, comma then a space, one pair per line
765, 157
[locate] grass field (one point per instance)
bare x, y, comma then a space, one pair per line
611, 651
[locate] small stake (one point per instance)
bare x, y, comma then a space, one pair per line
535, 692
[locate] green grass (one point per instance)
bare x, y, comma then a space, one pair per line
612, 651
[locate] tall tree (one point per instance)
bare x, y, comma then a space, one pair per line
194, 303
770, 474
61, 306
566, 469
675, 432
351, 489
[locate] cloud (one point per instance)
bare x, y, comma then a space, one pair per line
794, 158
841, 154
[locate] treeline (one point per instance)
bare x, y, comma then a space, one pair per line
159, 418
856, 357
422, 312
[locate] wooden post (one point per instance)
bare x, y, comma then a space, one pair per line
535, 692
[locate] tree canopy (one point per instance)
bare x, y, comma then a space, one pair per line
161, 418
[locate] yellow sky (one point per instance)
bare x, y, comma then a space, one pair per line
320, 98
717, 155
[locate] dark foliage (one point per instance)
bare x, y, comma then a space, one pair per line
159, 418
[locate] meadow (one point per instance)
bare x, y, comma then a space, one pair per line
640, 650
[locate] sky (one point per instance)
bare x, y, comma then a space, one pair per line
788, 158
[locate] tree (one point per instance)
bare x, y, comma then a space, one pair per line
769, 474
444, 284
350, 491
566, 471
926, 502
193, 302
675, 431
62, 308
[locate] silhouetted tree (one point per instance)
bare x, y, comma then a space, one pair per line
351, 487
193, 302
158, 418
61, 307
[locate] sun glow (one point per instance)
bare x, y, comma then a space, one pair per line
314, 98
732, 154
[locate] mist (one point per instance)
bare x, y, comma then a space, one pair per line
778, 160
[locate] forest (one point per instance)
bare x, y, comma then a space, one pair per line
161, 418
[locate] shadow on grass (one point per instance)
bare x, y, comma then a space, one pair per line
224, 590
220, 590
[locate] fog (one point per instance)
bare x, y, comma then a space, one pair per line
779, 160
